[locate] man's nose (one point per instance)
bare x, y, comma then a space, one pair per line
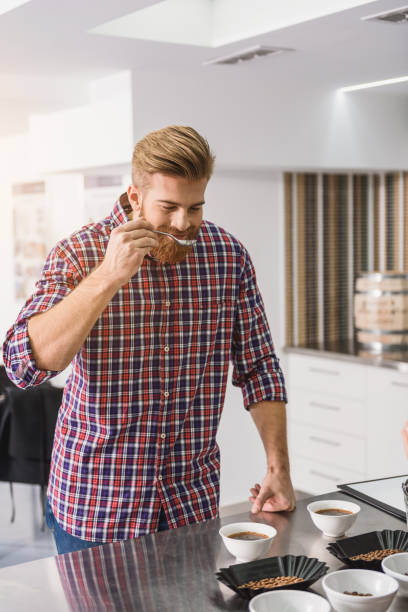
180, 221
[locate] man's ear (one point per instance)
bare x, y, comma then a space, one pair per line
134, 198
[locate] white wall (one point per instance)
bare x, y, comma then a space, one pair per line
249, 205
256, 123
14, 166
95, 134
63, 200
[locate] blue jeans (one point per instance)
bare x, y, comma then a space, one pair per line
65, 542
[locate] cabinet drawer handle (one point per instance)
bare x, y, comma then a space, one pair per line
396, 383
324, 440
326, 476
325, 406
323, 371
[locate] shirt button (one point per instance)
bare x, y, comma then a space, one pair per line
167, 348
166, 394
160, 477
168, 304
163, 436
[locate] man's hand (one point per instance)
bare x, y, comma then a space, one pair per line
126, 250
275, 494
57, 334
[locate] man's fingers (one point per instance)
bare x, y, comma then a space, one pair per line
137, 233
254, 493
271, 504
135, 224
280, 506
260, 500
146, 243
256, 500
141, 233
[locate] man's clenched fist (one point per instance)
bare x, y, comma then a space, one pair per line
126, 250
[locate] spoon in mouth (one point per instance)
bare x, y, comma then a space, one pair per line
178, 240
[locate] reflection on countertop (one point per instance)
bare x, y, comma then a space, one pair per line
349, 350
169, 571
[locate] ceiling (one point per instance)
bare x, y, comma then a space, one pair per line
48, 56
216, 23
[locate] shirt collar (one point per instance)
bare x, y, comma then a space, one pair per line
119, 214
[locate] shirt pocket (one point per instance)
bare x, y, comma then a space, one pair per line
199, 325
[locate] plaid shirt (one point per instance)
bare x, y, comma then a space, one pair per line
140, 411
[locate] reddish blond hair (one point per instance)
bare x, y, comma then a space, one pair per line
176, 150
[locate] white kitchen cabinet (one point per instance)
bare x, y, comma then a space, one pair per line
387, 412
344, 421
317, 478
328, 446
326, 410
327, 375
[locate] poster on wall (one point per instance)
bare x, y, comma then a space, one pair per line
33, 223
100, 195
29, 228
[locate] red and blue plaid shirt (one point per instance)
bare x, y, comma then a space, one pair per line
140, 411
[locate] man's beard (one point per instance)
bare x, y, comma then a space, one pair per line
168, 251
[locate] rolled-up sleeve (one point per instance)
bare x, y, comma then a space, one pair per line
256, 367
61, 273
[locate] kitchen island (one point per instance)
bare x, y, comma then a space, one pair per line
171, 570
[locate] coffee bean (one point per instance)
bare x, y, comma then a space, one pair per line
376, 555
270, 583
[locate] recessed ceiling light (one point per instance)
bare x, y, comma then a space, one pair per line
9, 5
398, 15
246, 55
375, 84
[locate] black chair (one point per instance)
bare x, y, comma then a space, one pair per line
27, 424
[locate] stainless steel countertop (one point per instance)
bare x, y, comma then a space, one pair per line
168, 571
347, 350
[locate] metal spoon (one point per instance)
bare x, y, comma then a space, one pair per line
182, 242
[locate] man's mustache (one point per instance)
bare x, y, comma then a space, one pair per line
189, 234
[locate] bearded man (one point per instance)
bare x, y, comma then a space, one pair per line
150, 327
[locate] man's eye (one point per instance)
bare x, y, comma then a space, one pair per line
174, 208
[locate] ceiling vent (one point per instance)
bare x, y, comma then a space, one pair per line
246, 55
399, 15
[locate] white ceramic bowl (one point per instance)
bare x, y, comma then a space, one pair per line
396, 566
383, 589
247, 550
333, 526
289, 601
